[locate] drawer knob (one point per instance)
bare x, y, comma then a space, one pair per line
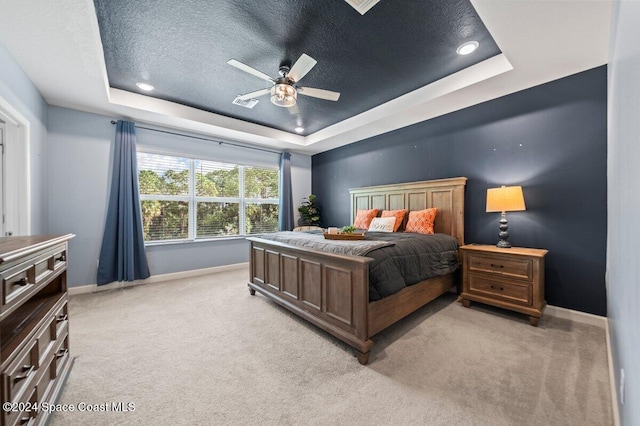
62, 258
23, 281
496, 287
493, 265
28, 370
62, 317
62, 352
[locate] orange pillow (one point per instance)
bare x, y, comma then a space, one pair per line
364, 218
398, 214
421, 221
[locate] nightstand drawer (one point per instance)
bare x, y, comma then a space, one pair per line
516, 268
510, 292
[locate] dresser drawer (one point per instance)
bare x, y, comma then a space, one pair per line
46, 377
508, 291
47, 264
513, 267
16, 285
24, 417
62, 355
20, 373
46, 337
62, 319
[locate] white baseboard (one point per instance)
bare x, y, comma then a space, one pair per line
612, 380
577, 316
93, 288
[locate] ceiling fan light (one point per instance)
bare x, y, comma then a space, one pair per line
284, 95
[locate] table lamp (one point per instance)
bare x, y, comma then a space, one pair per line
505, 199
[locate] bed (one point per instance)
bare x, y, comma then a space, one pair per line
332, 290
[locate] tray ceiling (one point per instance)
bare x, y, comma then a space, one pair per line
182, 48
60, 48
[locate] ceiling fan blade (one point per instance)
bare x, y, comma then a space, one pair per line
255, 94
248, 69
319, 93
303, 65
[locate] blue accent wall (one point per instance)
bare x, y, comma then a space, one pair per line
550, 139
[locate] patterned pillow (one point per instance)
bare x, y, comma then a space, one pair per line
364, 218
421, 221
382, 224
398, 214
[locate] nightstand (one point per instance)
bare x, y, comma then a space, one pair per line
510, 278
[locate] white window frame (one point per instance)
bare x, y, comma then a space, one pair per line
193, 199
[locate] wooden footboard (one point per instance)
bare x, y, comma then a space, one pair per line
327, 289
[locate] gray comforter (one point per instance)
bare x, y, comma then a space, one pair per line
399, 259
412, 258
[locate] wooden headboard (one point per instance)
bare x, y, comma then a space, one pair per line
445, 194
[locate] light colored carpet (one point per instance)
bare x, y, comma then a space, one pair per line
203, 351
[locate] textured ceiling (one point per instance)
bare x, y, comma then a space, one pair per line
182, 48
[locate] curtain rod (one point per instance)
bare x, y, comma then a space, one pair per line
205, 139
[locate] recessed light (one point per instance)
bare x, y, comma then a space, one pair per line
145, 86
466, 48
299, 129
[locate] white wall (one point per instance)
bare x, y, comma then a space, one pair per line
80, 157
623, 267
19, 92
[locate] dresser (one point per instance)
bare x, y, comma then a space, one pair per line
510, 278
34, 326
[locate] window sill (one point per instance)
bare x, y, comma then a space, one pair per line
199, 240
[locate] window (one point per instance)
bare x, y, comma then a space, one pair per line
191, 199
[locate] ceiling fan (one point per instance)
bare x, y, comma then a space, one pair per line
284, 90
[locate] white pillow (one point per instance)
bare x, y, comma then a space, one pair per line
382, 224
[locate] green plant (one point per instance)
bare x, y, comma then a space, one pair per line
348, 229
309, 212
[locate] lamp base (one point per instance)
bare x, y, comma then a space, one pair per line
504, 233
503, 244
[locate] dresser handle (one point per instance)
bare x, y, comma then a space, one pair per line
496, 288
62, 258
62, 352
29, 369
23, 281
62, 317
497, 266
28, 420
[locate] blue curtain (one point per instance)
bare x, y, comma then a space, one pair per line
122, 256
285, 220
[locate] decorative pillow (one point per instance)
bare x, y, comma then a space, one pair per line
421, 221
364, 218
382, 224
398, 214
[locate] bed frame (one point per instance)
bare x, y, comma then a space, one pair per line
332, 290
